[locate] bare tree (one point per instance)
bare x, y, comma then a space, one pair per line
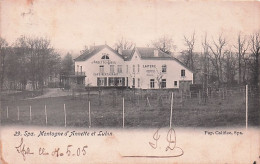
32, 57
218, 51
230, 67
85, 50
164, 43
124, 44
159, 76
189, 42
67, 67
255, 48
241, 49
205, 66
3, 46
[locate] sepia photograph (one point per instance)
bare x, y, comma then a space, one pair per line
116, 81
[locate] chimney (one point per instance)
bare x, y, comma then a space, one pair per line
120, 50
156, 53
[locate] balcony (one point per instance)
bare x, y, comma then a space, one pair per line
80, 73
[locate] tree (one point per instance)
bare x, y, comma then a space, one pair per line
31, 59
3, 47
164, 43
217, 52
255, 48
123, 44
67, 65
230, 67
189, 42
159, 76
85, 50
205, 61
241, 49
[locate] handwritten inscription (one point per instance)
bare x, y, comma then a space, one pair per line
169, 147
171, 140
25, 150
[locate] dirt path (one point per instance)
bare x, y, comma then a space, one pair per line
53, 92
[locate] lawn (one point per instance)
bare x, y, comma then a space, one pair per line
140, 111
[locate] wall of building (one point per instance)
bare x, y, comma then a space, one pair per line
141, 70
152, 69
91, 66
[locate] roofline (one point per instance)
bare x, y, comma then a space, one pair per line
105, 46
177, 60
121, 56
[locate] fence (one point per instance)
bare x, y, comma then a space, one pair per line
137, 108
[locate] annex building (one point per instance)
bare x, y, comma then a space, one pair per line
145, 68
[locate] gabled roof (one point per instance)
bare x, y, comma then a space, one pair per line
148, 53
145, 53
96, 49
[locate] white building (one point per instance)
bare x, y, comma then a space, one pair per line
146, 68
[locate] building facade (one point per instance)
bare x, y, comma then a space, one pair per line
145, 68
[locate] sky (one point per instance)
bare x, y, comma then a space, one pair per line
72, 24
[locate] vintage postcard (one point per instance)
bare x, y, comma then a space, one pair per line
123, 81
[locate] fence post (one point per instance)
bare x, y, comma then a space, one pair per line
223, 94
181, 96
123, 112
199, 98
7, 115
18, 113
171, 111
148, 102
89, 116
246, 105
30, 113
46, 117
65, 119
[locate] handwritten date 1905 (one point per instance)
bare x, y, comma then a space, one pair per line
56, 152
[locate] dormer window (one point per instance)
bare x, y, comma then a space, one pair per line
105, 56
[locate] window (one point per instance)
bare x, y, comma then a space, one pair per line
105, 56
182, 73
164, 68
126, 68
133, 68
119, 69
80, 68
77, 68
101, 81
133, 81
138, 82
112, 69
151, 83
138, 68
175, 83
163, 83
119, 81
101, 69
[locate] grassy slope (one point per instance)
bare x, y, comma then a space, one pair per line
217, 112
